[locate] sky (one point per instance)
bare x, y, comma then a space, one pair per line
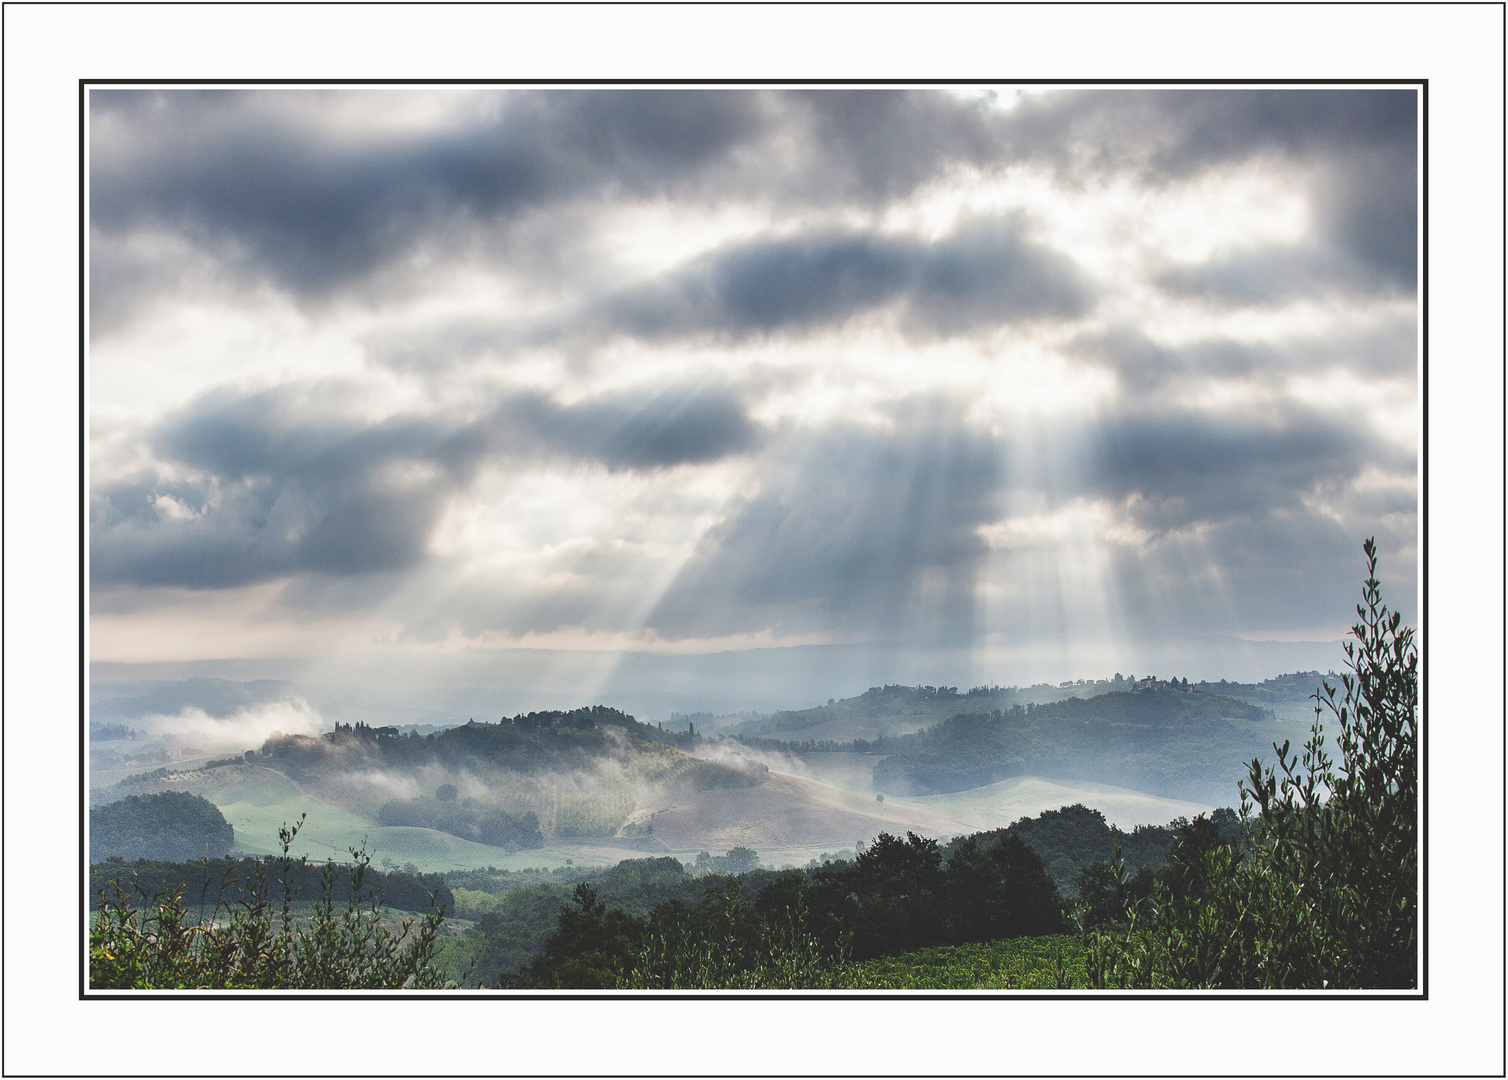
746, 398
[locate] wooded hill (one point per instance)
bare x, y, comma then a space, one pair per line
537, 742
511, 785
1167, 740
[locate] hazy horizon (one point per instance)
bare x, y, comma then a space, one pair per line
752, 681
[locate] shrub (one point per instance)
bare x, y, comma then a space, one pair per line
1322, 890
682, 952
256, 944
170, 825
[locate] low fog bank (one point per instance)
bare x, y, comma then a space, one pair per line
844, 771
450, 689
245, 729
131, 739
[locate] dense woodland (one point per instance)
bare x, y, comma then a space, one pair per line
897, 896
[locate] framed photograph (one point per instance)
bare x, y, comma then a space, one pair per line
551, 534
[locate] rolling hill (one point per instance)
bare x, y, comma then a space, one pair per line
1166, 740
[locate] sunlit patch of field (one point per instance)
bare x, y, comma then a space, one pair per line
1036, 963
568, 811
840, 769
100, 778
330, 833
258, 801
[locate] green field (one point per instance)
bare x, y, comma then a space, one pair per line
331, 832
1040, 963
258, 801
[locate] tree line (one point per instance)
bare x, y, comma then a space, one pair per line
896, 896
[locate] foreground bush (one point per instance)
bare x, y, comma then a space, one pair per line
683, 954
1323, 890
250, 945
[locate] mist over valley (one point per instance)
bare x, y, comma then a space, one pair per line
595, 785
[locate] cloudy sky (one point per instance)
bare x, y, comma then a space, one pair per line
591, 391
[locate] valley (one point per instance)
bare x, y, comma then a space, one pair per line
595, 786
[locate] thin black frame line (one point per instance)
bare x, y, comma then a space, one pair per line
767, 3
83, 569
1503, 133
1123, 996
762, 1076
3, 54
485, 994
147, 84
1423, 911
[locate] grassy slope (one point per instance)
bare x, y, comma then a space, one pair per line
257, 801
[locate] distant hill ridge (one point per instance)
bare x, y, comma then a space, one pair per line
1174, 741
892, 709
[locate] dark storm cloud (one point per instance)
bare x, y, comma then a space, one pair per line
268, 503
1269, 571
850, 526
984, 274
873, 145
315, 212
1363, 146
1250, 521
1360, 148
1191, 468
1177, 133
282, 485
987, 273
1147, 366
269, 190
